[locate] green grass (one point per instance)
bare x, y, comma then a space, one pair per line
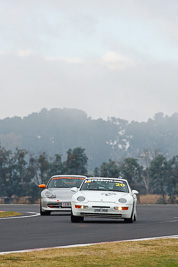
162, 252
9, 214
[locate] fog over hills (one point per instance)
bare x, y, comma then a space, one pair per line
55, 131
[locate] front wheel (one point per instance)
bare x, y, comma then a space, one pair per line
44, 213
132, 218
129, 220
76, 218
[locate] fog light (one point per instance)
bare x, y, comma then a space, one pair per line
121, 208
81, 207
124, 208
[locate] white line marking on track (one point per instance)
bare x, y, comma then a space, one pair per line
21, 217
172, 221
91, 244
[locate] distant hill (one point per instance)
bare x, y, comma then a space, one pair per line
55, 131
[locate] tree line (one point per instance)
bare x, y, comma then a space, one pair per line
21, 172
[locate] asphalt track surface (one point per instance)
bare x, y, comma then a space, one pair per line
32, 231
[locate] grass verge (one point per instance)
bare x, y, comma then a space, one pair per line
162, 252
9, 214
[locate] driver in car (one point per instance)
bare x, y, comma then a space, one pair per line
93, 185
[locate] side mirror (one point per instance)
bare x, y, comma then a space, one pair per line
42, 186
135, 192
74, 189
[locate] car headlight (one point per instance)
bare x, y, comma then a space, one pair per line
122, 200
50, 194
81, 198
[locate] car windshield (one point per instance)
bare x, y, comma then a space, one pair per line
65, 182
105, 185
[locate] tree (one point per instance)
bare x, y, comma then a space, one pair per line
172, 181
5, 156
131, 171
34, 179
146, 157
19, 179
159, 176
110, 169
56, 166
76, 162
13, 172
43, 167
96, 172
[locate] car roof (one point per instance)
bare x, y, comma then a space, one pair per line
82, 176
107, 178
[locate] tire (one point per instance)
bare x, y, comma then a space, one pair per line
75, 219
44, 213
132, 218
129, 220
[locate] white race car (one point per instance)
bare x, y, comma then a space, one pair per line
57, 194
104, 197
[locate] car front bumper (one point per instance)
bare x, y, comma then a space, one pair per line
110, 210
48, 204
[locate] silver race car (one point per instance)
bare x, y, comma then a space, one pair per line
57, 194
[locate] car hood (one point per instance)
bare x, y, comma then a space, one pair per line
107, 196
62, 193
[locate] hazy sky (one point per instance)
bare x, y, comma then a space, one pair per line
109, 58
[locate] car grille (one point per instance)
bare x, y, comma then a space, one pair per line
53, 206
57, 206
103, 215
101, 207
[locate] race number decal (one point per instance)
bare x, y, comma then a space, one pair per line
118, 184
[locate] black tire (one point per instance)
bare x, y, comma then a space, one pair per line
132, 218
75, 219
44, 213
129, 220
